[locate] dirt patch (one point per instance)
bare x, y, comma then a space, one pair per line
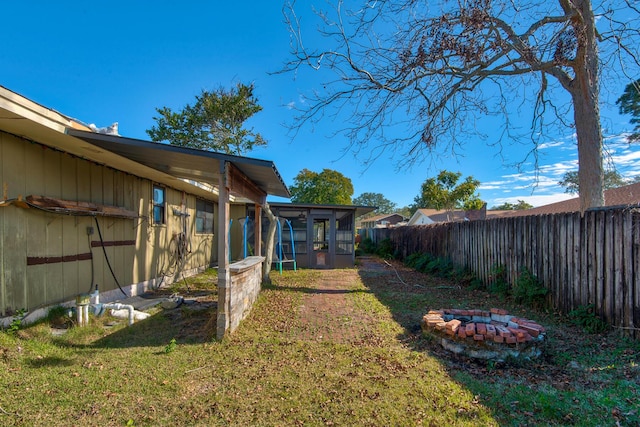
329, 312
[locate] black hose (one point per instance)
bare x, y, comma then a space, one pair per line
92, 267
107, 258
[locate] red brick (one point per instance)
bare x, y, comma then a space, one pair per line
441, 326
532, 331
534, 325
498, 339
453, 325
498, 311
502, 331
481, 328
491, 331
517, 331
511, 339
462, 333
449, 332
433, 322
478, 337
471, 329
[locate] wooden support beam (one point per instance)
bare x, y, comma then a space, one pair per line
240, 185
258, 231
224, 277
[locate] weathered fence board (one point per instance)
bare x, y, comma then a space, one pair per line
582, 259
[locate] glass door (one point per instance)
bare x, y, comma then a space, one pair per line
321, 243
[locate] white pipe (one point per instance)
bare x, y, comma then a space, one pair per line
80, 314
118, 306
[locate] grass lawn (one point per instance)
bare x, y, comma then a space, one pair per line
340, 347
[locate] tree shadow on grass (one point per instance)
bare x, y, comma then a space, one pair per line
49, 362
185, 324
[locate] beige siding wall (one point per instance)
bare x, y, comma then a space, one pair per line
31, 169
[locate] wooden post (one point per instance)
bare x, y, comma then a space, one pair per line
224, 278
258, 231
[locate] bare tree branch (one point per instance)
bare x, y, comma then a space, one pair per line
414, 78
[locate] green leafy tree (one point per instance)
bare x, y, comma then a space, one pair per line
328, 187
445, 192
214, 122
450, 64
405, 211
474, 203
629, 103
506, 206
384, 205
571, 184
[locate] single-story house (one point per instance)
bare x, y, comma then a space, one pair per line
627, 195
382, 221
431, 216
80, 209
421, 217
323, 235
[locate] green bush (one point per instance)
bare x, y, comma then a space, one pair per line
16, 322
367, 246
438, 266
528, 290
586, 318
385, 249
498, 281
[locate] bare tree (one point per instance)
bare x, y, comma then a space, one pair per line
437, 68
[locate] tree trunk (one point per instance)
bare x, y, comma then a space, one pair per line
271, 232
584, 92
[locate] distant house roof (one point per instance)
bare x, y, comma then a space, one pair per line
383, 220
436, 215
420, 217
379, 217
627, 195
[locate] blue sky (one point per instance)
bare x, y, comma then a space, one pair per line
116, 61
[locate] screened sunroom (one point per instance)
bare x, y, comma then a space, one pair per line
314, 236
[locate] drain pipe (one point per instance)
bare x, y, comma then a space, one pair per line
98, 309
118, 306
82, 309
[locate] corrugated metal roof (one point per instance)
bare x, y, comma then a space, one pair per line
188, 163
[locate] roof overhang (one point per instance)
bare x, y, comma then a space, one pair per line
197, 166
358, 210
194, 171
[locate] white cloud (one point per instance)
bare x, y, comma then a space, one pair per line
552, 144
629, 158
534, 200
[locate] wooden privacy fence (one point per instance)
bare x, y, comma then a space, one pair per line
590, 259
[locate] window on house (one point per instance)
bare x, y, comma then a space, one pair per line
158, 205
204, 217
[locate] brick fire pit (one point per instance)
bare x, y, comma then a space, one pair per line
493, 335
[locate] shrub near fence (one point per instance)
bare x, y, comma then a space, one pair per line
592, 259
